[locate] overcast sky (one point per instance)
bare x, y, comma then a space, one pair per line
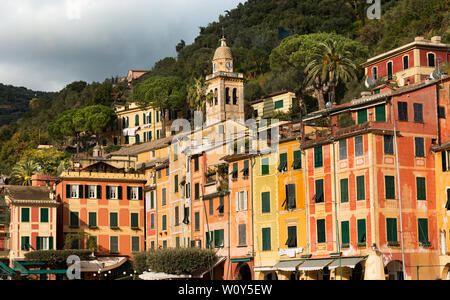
46, 44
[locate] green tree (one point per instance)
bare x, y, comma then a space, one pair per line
64, 127
48, 160
329, 65
23, 171
162, 93
198, 96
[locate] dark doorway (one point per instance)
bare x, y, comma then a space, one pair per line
357, 272
271, 276
244, 273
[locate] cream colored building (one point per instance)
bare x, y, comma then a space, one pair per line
264, 108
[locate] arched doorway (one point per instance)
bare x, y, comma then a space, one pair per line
357, 272
394, 270
271, 276
244, 273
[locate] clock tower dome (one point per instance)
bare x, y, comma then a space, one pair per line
226, 86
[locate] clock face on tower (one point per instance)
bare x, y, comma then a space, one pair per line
229, 65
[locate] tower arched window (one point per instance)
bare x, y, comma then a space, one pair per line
234, 96
216, 97
227, 95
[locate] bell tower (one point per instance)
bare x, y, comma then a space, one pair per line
226, 86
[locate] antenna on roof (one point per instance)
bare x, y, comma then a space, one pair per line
370, 82
223, 32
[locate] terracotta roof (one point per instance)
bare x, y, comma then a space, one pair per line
144, 147
28, 193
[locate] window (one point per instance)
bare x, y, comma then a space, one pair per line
219, 237
44, 243
359, 146
186, 215
405, 62
92, 219
164, 223
134, 220
158, 134
360, 188
388, 144
164, 244
290, 201
375, 73
265, 199
152, 221
164, 197
283, 163
278, 104
127, 140
152, 245
319, 197
321, 231
431, 60
227, 95
380, 113
114, 244
344, 190
421, 188
361, 232
418, 113
44, 215
447, 205
175, 152
441, 112
242, 235
292, 237
241, 201
389, 185
113, 220
74, 191
197, 191
345, 234
177, 242
266, 240
342, 149
177, 216
389, 70
196, 164
112, 192
318, 157
136, 123
419, 145
391, 231
135, 244
297, 164
221, 205
402, 111
74, 219
134, 193
176, 184
235, 171
197, 221
264, 166
211, 206
423, 231
362, 116
235, 98
246, 170
92, 192
25, 243
138, 139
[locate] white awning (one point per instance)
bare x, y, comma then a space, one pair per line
288, 265
102, 264
264, 269
162, 276
315, 264
349, 262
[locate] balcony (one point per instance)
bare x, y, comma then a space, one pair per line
216, 180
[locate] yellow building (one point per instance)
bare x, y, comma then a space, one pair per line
265, 107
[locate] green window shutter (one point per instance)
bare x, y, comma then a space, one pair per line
362, 116
136, 123
319, 196
283, 163
134, 220
68, 191
444, 161
423, 230
389, 184
292, 237
135, 243
391, 230
140, 193
128, 193
176, 183
50, 243
246, 169
380, 113
421, 188
359, 146
419, 146
99, 192
265, 198
321, 231
235, 172
360, 188
362, 231
120, 193
44, 215
114, 244
152, 221
279, 104
38, 243
345, 229
152, 200
80, 191
297, 160
25, 212
266, 240
165, 244
113, 220
86, 192
264, 166
92, 219
144, 119
164, 222
197, 221
344, 190
318, 157
108, 192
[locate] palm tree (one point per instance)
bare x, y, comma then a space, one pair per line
329, 65
22, 172
198, 96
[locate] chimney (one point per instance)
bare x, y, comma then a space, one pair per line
419, 39
436, 39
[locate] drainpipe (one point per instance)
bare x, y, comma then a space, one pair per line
437, 113
252, 162
399, 194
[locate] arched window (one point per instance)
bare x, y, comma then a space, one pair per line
389, 70
227, 95
431, 60
128, 122
375, 73
405, 62
138, 139
216, 97
234, 96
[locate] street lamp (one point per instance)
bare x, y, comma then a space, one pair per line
329, 105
